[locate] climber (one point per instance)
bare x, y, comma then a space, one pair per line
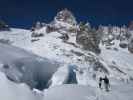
106, 83
100, 82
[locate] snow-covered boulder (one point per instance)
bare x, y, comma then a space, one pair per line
130, 46
123, 44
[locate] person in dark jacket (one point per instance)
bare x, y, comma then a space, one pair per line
100, 82
106, 83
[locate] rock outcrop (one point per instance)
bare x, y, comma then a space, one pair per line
88, 38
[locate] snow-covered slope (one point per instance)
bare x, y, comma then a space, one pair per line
57, 42
19, 37
13, 91
120, 61
51, 46
78, 92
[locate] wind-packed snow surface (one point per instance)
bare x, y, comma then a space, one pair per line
78, 92
13, 91
120, 60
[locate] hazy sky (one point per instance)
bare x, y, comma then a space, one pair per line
22, 13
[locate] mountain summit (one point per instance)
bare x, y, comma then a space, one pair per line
66, 16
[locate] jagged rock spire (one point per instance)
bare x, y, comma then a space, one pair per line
66, 16
130, 25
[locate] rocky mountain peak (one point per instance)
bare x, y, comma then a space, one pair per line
66, 16
130, 25
3, 25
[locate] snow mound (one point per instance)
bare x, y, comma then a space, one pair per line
13, 91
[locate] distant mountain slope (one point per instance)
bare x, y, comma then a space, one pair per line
4, 26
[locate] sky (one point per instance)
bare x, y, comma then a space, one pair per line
23, 13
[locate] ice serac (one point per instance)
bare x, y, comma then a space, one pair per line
64, 75
21, 66
72, 79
